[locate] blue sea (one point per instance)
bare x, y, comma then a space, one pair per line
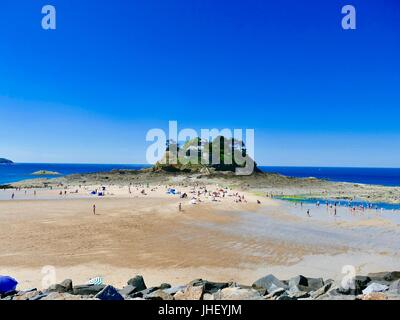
22, 171
380, 176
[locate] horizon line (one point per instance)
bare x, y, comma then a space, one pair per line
259, 165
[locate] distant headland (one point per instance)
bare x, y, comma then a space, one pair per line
5, 161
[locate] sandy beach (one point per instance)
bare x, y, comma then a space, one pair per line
139, 229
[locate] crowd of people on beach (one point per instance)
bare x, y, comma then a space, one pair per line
333, 206
194, 194
197, 194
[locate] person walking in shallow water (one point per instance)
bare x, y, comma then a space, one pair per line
94, 209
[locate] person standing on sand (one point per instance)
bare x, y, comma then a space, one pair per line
94, 209
180, 207
308, 212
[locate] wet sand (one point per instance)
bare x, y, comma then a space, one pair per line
220, 241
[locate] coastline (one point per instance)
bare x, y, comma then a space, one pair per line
219, 240
259, 183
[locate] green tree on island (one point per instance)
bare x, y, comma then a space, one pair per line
219, 154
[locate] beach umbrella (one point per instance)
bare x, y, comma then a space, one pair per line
7, 284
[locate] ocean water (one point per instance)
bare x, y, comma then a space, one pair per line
342, 203
22, 171
381, 176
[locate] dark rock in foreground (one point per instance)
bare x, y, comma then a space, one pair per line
305, 284
109, 293
269, 283
356, 285
65, 286
385, 276
87, 289
138, 283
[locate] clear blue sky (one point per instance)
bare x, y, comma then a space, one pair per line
89, 91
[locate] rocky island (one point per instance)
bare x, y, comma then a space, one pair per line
45, 173
5, 161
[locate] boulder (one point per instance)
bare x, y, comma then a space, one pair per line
321, 291
276, 293
67, 283
88, 289
127, 290
174, 290
65, 286
356, 286
286, 297
165, 286
190, 293
137, 282
109, 293
143, 293
385, 276
270, 283
40, 296
56, 288
236, 293
208, 296
61, 296
314, 284
395, 287
375, 287
158, 295
296, 292
298, 281
209, 287
53, 296
306, 284
26, 295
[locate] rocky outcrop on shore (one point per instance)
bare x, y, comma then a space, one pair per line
374, 286
45, 173
261, 183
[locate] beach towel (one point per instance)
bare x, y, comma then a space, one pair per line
7, 284
96, 281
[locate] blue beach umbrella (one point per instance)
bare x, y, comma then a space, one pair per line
7, 284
